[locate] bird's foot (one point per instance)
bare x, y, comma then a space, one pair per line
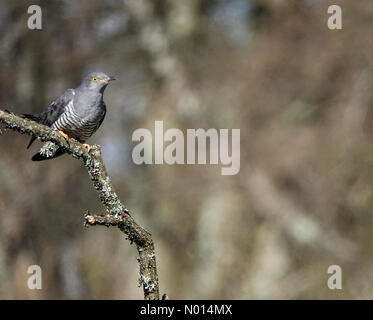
63, 134
87, 147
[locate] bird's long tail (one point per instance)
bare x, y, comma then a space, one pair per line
34, 117
41, 157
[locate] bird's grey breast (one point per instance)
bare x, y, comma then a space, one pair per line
82, 115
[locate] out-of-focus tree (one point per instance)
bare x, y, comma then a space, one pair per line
299, 92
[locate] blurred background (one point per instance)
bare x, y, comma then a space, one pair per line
301, 95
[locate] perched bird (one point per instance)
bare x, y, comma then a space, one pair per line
77, 113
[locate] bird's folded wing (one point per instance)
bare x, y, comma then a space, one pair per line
57, 107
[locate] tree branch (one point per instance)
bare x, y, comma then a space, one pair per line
117, 215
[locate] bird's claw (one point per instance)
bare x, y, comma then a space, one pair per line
63, 134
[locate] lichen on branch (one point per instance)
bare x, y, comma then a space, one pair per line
117, 215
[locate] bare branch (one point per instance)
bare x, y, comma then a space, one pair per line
117, 215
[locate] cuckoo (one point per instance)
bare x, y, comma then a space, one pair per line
77, 113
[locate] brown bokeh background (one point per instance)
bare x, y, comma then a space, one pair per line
301, 95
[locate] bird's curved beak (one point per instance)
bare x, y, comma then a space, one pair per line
106, 80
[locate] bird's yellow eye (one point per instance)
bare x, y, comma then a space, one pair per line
95, 79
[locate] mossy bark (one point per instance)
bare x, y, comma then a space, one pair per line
117, 215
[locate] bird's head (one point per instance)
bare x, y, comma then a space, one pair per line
97, 81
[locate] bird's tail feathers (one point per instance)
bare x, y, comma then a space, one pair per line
41, 157
31, 142
35, 117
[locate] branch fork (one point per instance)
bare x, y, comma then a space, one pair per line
117, 215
